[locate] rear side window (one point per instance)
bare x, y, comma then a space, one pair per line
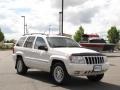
29, 42
21, 41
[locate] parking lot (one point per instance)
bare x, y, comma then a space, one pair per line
37, 80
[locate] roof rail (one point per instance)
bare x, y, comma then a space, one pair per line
38, 33
35, 33
26, 34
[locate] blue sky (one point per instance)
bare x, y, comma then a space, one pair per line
22, 10
96, 16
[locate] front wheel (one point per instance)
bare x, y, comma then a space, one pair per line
59, 73
95, 78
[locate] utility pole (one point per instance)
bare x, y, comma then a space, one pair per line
24, 24
62, 16
60, 23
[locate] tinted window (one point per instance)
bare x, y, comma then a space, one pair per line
29, 42
61, 42
39, 42
21, 41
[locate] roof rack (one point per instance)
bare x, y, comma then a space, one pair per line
35, 33
26, 34
38, 33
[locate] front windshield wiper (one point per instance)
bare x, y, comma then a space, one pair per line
67, 46
74, 46
58, 46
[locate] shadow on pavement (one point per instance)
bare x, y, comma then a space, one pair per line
74, 83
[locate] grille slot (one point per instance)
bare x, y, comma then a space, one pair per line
94, 59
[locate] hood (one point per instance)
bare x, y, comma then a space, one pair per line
74, 50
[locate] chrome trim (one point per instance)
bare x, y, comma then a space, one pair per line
94, 59
36, 59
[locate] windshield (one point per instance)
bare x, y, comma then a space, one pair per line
55, 42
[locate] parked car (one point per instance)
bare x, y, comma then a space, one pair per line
61, 56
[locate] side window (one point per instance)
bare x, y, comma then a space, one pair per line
39, 42
20, 41
29, 42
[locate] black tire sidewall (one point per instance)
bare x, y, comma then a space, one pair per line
24, 68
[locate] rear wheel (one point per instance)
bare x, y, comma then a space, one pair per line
59, 73
95, 78
20, 66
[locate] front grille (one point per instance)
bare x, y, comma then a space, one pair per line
94, 59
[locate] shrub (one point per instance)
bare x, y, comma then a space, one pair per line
6, 46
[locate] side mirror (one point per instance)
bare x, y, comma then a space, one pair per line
43, 48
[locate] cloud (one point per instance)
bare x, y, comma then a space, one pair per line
45, 28
2, 17
21, 10
93, 15
39, 14
107, 16
7, 30
96, 16
82, 16
67, 3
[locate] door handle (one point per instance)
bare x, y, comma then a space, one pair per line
36, 52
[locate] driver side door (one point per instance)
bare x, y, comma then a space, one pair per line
41, 57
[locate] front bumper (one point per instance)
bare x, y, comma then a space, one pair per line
86, 69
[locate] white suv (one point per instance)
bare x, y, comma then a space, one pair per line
59, 55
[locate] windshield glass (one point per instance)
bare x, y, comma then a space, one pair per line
55, 42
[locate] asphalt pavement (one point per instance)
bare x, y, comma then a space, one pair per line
37, 80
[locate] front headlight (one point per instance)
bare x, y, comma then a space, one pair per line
77, 60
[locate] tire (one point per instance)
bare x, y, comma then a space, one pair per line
59, 73
20, 66
95, 78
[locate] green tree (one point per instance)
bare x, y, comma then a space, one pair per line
1, 36
113, 35
78, 34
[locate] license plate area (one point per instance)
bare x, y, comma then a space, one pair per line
97, 68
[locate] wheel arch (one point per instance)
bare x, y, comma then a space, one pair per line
57, 61
57, 58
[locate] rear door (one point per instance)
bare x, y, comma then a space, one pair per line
19, 45
28, 50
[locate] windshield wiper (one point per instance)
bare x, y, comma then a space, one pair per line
58, 46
